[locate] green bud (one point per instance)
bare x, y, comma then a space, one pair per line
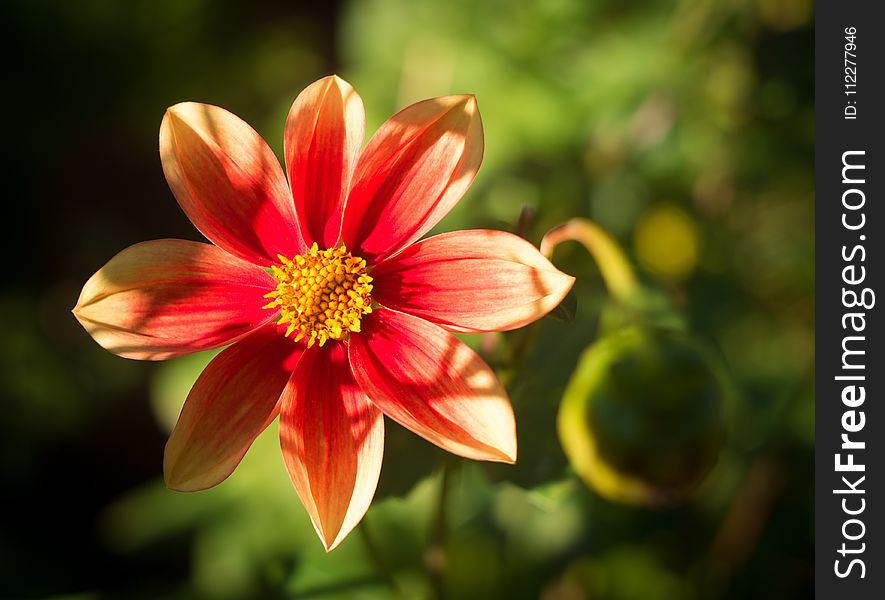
641, 420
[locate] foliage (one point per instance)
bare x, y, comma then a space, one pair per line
685, 129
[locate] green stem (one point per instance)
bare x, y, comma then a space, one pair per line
616, 271
436, 558
380, 564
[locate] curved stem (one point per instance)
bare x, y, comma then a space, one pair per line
616, 271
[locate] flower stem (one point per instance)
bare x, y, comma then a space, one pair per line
616, 271
435, 558
380, 564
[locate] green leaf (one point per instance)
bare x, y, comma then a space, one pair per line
567, 310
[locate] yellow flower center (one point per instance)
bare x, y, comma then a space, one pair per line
321, 294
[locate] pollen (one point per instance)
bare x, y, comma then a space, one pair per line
321, 294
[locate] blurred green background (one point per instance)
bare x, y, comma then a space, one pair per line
685, 128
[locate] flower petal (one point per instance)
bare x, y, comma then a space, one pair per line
324, 134
333, 442
234, 399
228, 182
427, 380
414, 170
471, 281
164, 298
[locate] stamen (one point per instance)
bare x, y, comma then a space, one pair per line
321, 294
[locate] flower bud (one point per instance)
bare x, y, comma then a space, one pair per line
641, 420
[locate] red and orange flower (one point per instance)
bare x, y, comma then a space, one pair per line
334, 311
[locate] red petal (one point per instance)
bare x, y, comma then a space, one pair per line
234, 399
324, 134
427, 380
333, 442
164, 298
228, 182
414, 170
471, 281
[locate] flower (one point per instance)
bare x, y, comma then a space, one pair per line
334, 311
